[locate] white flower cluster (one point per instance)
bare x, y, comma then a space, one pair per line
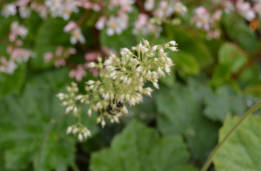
62, 8
82, 131
122, 81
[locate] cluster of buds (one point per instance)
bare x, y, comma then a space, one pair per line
122, 81
60, 55
82, 131
70, 98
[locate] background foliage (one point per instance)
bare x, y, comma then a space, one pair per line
212, 84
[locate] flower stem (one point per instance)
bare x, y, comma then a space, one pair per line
46, 134
212, 154
74, 166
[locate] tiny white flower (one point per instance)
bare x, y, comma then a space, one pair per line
68, 109
103, 123
161, 51
132, 101
92, 64
89, 133
173, 49
90, 112
122, 77
69, 130
156, 85
116, 119
154, 48
80, 137
146, 42
75, 110
90, 82
64, 103
98, 120
91, 87
60, 96
128, 97
129, 81
78, 97
139, 69
75, 130
173, 43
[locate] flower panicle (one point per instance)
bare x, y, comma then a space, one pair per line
122, 81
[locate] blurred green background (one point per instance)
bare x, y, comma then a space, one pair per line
212, 84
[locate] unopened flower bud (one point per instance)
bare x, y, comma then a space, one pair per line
80, 137
154, 48
69, 130
173, 49
173, 43
90, 112
103, 123
90, 82
92, 64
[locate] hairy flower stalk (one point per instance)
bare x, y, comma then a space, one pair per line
122, 81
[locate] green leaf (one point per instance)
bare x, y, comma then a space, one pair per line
140, 148
48, 40
187, 63
5, 25
223, 102
230, 54
254, 90
250, 76
181, 111
12, 84
25, 119
240, 32
242, 151
221, 75
188, 43
33, 22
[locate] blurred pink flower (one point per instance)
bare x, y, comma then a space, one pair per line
7, 66
149, 5
59, 51
100, 23
89, 5
217, 15
96, 7
9, 49
19, 43
201, 18
213, 34
77, 36
78, 73
20, 54
70, 26
17, 30
163, 4
228, 6
72, 51
22, 2
48, 56
9, 10
59, 62
257, 7
92, 56
244, 8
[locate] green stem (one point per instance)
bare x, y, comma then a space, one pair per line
212, 154
74, 167
47, 132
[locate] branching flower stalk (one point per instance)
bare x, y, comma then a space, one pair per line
122, 81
